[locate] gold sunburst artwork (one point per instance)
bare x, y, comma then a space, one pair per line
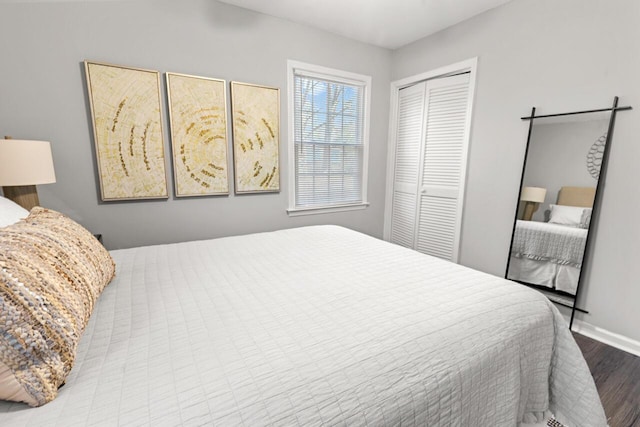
127, 129
256, 137
198, 118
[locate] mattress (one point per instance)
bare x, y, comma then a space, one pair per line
316, 326
555, 243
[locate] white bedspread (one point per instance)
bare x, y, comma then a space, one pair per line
555, 243
316, 326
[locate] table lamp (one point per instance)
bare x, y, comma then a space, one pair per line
23, 165
532, 196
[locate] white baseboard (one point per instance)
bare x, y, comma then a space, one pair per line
615, 340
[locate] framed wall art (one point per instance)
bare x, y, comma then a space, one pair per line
256, 137
198, 118
127, 129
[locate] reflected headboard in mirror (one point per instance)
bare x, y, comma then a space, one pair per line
577, 196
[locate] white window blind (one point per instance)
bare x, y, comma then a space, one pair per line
328, 140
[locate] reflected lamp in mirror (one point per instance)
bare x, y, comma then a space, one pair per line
23, 165
532, 197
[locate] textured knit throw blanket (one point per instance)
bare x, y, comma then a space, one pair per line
542, 241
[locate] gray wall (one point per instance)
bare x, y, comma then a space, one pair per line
557, 56
43, 96
558, 156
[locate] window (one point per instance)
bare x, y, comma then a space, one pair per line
328, 139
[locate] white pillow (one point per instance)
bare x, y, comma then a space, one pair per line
11, 212
567, 215
586, 218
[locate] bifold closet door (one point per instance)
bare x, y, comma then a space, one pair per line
409, 139
430, 161
444, 156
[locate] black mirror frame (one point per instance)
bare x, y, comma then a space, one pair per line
599, 188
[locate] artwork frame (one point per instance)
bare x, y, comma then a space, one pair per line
125, 106
199, 128
255, 111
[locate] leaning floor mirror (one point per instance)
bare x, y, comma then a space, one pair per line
560, 189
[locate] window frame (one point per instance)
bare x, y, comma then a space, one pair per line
346, 77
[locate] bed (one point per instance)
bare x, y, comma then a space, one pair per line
318, 326
550, 254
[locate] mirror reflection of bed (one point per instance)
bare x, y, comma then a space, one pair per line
558, 188
549, 253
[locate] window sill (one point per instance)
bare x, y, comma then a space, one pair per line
328, 209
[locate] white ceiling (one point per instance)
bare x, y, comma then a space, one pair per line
385, 23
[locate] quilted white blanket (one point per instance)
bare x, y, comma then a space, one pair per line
556, 243
316, 326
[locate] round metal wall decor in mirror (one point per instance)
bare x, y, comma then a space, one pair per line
558, 196
594, 156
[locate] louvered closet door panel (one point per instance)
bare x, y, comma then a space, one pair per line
437, 226
439, 208
407, 164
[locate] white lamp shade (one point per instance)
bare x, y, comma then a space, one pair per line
533, 194
25, 163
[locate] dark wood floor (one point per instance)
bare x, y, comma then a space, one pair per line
617, 377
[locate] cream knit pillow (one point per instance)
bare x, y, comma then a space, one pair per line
52, 271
